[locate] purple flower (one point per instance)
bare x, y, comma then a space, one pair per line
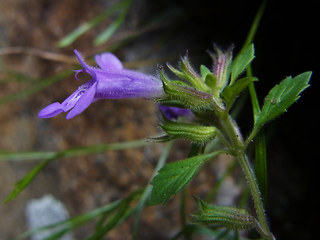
110, 81
174, 112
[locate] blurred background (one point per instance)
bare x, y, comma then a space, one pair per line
35, 71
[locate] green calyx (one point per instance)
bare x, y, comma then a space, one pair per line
193, 132
188, 96
230, 217
213, 89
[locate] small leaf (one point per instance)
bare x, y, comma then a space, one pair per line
230, 217
232, 91
211, 82
282, 96
174, 176
204, 71
241, 62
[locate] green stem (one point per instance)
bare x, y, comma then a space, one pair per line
255, 193
232, 131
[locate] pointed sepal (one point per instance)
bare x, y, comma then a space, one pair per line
221, 66
188, 74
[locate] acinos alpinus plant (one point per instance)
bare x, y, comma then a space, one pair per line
207, 98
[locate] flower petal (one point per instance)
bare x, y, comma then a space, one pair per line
174, 112
50, 111
84, 101
87, 68
108, 61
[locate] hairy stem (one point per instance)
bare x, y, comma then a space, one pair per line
238, 149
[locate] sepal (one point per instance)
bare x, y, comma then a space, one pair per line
160, 139
221, 67
188, 74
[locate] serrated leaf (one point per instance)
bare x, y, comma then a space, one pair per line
241, 62
282, 96
174, 176
232, 91
230, 217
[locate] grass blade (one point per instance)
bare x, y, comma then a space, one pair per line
81, 151
36, 86
105, 35
75, 34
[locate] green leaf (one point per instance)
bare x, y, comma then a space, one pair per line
241, 62
232, 91
282, 96
174, 176
230, 217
